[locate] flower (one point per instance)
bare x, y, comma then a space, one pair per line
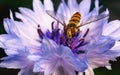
56, 60
15, 49
16, 53
46, 43
105, 46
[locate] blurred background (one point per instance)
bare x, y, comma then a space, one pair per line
6, 5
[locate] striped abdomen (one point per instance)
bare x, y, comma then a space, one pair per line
72, 27
75, 19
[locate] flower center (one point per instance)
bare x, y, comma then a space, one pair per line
59, 36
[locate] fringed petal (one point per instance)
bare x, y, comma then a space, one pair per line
64, 12
53, 56
15, 61
27, 71
84, 7
72, 4
48, 5
112, 29
89, 71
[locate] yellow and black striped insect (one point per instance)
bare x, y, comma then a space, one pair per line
73, 25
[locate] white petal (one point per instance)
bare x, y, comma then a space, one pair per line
53, 56
49, 67
69, 68
11, 45
30, 16
48, 5
28, 35
95, 29
37, 67
16, 62
80, 73
39, 10
44, 20
97, 6
69, 57
116, 46
32, 19
64, 11
105, 43
27, 70
73, 6
112, 29
9, 28
85, 7
89, 71
28, 22
112, 54
11, 15
34, 57
1, 44
11, 51
60, 71
108, 67
38, 6
3, 38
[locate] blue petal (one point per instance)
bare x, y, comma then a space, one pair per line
9, 27
112, 53
73, 5
105, 43
11, 45
84, 7
28, 70
15, 61
52, 55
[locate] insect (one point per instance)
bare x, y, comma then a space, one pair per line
73, 25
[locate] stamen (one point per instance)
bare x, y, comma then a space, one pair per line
52, 26
61, 40
80, 51
41, 34
66, 42
55, 35
81, 42
78, 32
57, 24
86, 33
52, 34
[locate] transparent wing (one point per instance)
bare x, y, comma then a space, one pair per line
94, 19
58, 17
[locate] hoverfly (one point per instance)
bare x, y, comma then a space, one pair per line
73, 25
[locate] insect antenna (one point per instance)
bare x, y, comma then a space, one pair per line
52, 14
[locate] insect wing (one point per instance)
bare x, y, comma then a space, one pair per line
94, 18
58, 17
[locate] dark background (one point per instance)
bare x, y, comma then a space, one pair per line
6, 5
